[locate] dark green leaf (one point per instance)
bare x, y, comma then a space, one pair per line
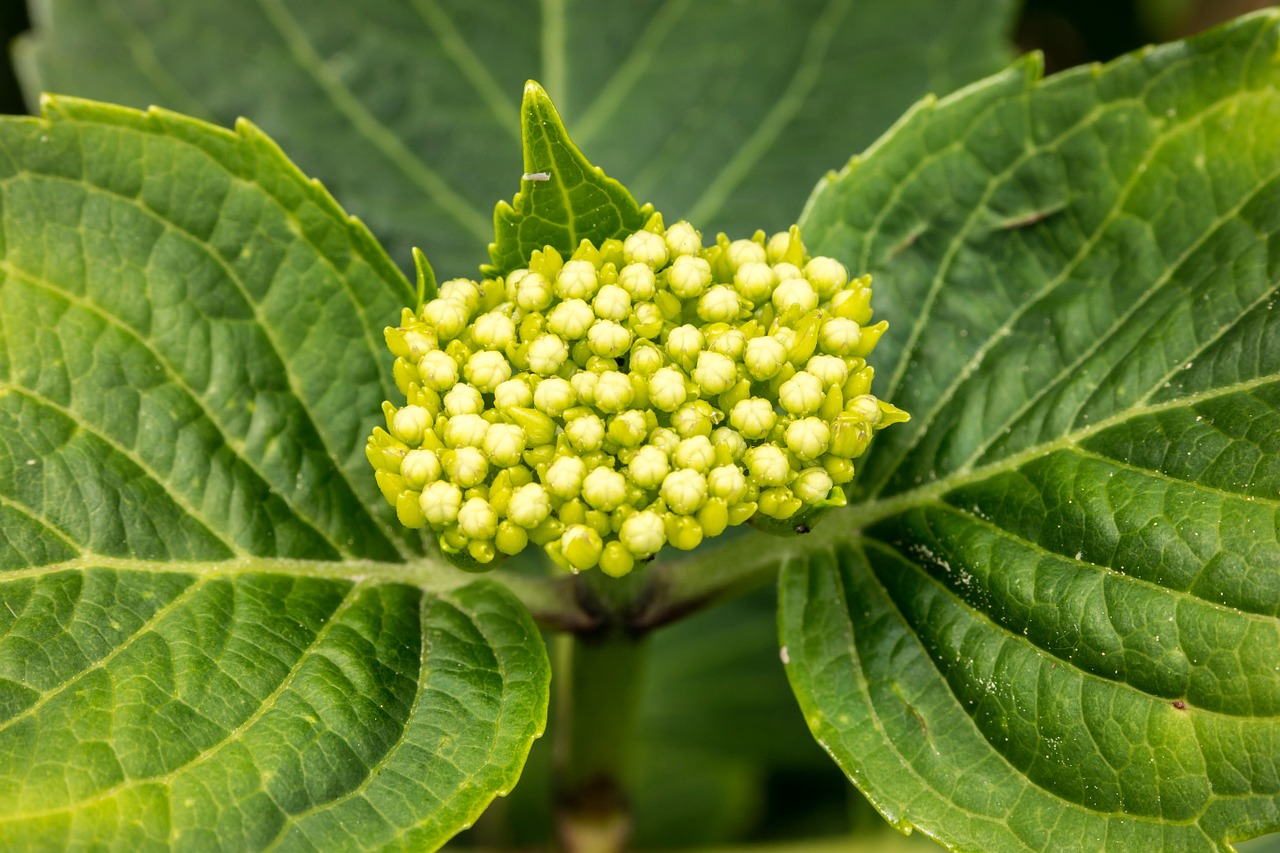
722, 113
207, 639
1057, 628
563, 199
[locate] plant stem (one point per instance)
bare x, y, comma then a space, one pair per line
598, 693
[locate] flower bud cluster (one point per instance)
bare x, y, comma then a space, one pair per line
644, 392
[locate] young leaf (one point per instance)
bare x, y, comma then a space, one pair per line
409, 112
1058, 627
207, 638
563, 199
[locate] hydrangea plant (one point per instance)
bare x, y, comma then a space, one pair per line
244, 609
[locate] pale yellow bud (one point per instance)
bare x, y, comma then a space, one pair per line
645, 247
494, 331
467, 466
727, 482
639, 281
832, 370
755, 281
643, 533
720, 304
629, 429
753, 418
465, 431
533, 292
477, 520
486, 370
570, 319
604, 489
612, 303
794, 292
439, 372
768, 465
440, 502
812, 485
504, 445
564, 476
461, 290
546, 354
514, 393
808, 438
463, 399
667, 389
420, 467
409, 423
689, 277
577, 280
731, 343
715, 373
696, 453
827, 275
645, 360
585, 433
446, 317
764, 357
802, 394
744, 252
581, 546
839, 336
613, 391
683, 239
648, 467
729, 444
529, 505
553, 396
684, 491
684, 343
608, 339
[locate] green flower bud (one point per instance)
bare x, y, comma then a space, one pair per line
715, 373
755, 281
667, 389
720, 304
604, 489
777, 246
648, 467
514, 393
731, 343
689, 277
438, 371
729, 444
581, 547
487, 370
585, 433
529, 505
613, 392
571, 319
409, 511
646, 359
419, 468
695, 418
870, 337
683, 345
440, 503
839, 336
510, 538
538, 428
643, 534
744, 252
753, 418
827, 275
727, 482
546, 354
864, 407
577, 280
638, 281
554, 396
683, 239
409, 423
695, 453
831, 370
629, 429
794, 293
713, 518
841, 470
854, 304
608, 339
682, 531
801, 394
768, 465
646, 321
808, 438
477, 520
779, 503
463, 399
504, 444
645, 247
461, 290
446, 317
612, 303
684, 491
494, 331
466, 466
784, 271
533, 293
564, 477
812, 485
764, 357
850, 436
616, 560
465, 431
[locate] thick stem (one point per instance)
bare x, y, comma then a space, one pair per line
599, 684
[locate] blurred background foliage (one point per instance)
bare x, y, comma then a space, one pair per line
748, 772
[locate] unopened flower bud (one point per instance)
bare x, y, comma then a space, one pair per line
487, 370
504, 445
616, 561
440, 502
689, 277
808, 438
768, 465
744, 252
645, 247
571, 319
696, 453
812, 485
839, 336
465, 430
646, 321
608, 339
604, 489
612, 303
629, 429
779, 503
533, 292
827, 275
831, 370
553, 396
577, 280
639, 281
755, 281
494, 331
794, 292
648, 467
764, 357
613, 392
683, 345
477, 520
643, 533
546, 354
729, 444
731, 343
715, 373
727, 482
438, 371
529, 505
466, 466
801, 394
683, 239
667, 389
564, 477
720, 304
646, 359
447, 317
510, 538
420, 467
512, 394
409, 423
753, 418
684, 491
693, 418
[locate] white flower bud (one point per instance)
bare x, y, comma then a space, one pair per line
808, 438
731, 343
665, 440
696, 453
420, 467
801, 394
684, 491
581, 546
438, 370
643, 533
493, 331
715, 373
645, 247
689, 276
533, 293
462, 399
546, 354
467, 466
744, 252
684, 343
753, 418
683, 239
645, 360
570, 319
564, 476
465, 430
839, 336
865, 408
812, 485
612, 302
827, 275
512, 394
613, 392
755, 281
785, 271
832, 370
693, 418
553, 396
584, 386
777, 246
792, 292
604, 489
487, 370
409, 424
477, 520
768, 465
529, 505
504, 445
639, 281
728, 483
646, 320
577, 280
461, 290
608, 339
585, 433
447, 317
720, 304
648, 467
629, 429
728, 443
764, 357
667, 389
440, 503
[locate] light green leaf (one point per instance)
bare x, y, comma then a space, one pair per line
409, 111
563, 199
1057, 628
207, 639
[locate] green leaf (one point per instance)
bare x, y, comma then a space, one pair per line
563, 199
409, 112
207, 638
1053, 623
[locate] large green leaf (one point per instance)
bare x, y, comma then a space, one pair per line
1053, 624
710, 109
207, 638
